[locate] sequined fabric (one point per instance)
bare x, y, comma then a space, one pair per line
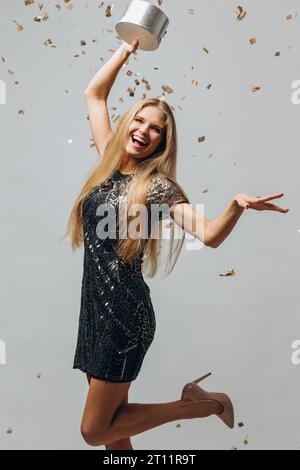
117, 321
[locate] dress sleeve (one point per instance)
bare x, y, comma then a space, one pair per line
162, 190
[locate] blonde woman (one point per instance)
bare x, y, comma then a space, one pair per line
137, 165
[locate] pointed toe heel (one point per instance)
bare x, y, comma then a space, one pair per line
192, 391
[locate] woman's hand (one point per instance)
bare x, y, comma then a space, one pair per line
259, 203
130, 48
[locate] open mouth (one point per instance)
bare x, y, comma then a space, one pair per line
137, 143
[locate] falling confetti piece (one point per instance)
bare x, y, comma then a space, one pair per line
201, 139
252, 41
28, 2
10, 71
241, 13
167, 89
70, 6
209, 86
82, 42
131, 91
230, 272
9, 430
178, 425
108, 10
21, 111
19, 26
255, 88
205, 50
233, 448
39, 375
57, 6
195, 82
240, 425
211, 155
246, 440
205, 190
277, 54
289, 17
191, 11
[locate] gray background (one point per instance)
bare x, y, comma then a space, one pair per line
240, 327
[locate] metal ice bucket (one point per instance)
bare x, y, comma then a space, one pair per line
144, 22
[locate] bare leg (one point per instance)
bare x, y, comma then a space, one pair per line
134, 418
121, 444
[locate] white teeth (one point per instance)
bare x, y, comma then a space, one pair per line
138, 139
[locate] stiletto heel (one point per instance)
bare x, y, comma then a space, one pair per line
192, 391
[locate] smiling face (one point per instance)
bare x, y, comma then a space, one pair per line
147, 127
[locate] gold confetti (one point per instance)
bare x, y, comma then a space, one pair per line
255, 88
195, 82
82, 43
109, 30
191, 11
28, 2
131, 91
277, 54
10, 71
21, 111
19, 26
129, 72
205, 50
201, 139
289, 17
108, 10
209, 86
57, 6
241, 13
205, 190
9, 430
167, 89
230, 272
252, 41
211, 155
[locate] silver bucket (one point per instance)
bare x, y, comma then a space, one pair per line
144, 22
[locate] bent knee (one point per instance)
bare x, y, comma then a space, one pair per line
91, 437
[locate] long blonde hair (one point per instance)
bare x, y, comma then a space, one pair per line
162, 161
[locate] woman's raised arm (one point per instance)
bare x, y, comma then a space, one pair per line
97, 93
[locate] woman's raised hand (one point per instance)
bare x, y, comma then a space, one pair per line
131, 48
259, 203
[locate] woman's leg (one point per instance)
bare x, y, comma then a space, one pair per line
108, 419
121, 444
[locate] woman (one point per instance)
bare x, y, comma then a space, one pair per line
137, 165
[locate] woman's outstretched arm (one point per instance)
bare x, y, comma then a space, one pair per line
97, 93
213, 233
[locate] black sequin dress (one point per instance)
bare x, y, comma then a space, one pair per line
117, 320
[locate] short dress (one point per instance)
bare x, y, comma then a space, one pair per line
117, 321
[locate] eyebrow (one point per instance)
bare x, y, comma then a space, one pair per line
157, 125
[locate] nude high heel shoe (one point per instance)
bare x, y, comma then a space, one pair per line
192, 391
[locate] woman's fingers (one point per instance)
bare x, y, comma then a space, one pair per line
275, 208
268, 198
